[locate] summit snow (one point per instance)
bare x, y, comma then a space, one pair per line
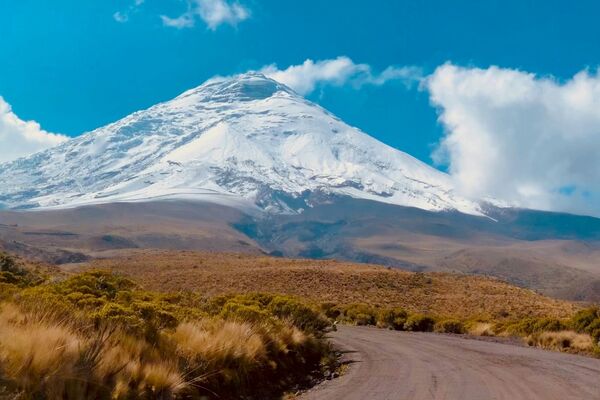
246, 141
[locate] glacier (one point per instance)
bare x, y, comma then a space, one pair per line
246, 141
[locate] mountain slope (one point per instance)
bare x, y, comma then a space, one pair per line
248, 141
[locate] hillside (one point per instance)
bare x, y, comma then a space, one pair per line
212, 274
556, 254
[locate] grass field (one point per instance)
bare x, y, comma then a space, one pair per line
442, 294
99, 335
178, 325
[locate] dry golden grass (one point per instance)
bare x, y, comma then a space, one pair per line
57, 360
481, 329
212, 274
50, 356
225, 344
562, 341
36, 354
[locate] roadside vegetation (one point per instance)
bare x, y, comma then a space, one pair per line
98, 335
577, 334
326, 281
368, 295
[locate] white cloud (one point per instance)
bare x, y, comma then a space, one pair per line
183, 21
212, 12
532, 141
217, 12
121, 17
304, 78
20, 138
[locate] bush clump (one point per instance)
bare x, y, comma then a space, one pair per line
528, 326
588, 321
450, 326
392, 318
13, 273
301, 315
419, 323
257, 307
359, 314
98, 335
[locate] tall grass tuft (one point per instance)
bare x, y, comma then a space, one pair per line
99, 336
562, 341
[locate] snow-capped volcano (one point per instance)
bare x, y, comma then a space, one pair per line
246, 141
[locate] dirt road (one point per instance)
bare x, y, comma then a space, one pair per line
399, 365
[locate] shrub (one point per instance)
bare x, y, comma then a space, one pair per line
232, 310
594, 330
360, 314
103, 297
584, 318
129, 343
331, 310
259, 307
549, 324
528, 326
419, 323
392, 318
13, 273
450, 326
301, 315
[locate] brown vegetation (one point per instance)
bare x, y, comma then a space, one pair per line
98, 335
562, 341
197, 326
443, 294
371, 295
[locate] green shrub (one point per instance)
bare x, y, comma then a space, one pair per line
450, 326
233, 310
528, 326
105, 298
331, 310
392, 318
256, 307
594, 330
360, 314
13, 273
99, 284
582, 320
301, 315
549, 325
419, 323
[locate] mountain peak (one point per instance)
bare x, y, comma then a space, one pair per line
248, 86
246, 140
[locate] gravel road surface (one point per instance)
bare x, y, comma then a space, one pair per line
400, 366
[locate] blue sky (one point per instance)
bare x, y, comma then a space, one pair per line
73, 66
70, 66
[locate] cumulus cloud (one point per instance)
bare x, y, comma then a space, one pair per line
529, 140
213, 12
183, 21
305, 77
20, 138
123, 16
